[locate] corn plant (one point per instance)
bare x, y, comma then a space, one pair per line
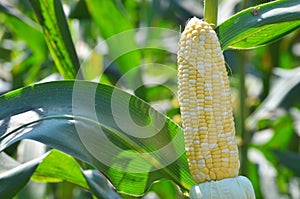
97, 130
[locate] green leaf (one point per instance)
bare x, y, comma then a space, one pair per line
99, 185
260, 25
119, 34
119, 134
57, 167
14, 179
253, 175
79, 10
25, 29
54, 166
283, 133
51, 16
289, 159
165, 189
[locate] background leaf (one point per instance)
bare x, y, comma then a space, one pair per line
121, 42
259, 25
289, 159
51, 16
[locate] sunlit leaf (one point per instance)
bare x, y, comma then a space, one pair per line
51, 16
259, 25
57, 167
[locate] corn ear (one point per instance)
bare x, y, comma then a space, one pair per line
205, 104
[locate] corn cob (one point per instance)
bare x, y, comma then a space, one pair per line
205, 105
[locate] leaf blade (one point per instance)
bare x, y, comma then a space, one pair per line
53, 124
260, 25
51, 16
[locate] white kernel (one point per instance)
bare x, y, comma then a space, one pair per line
192, 81
208, 85
200, 65
222, 82
208, 51
181, 54
204, 144
208, 89
208, 109
201, 166
211, 146
225, 113
196, 142
208, 97
193, 113
208, 65
185, 75
203, 128
188, 128
200, 100
199, 108
225, 150
233, 152
185, 100
195, 129
201, 71
224, 94
215, 76
227, 134
225, 159
190, 149
193, 161
185, 70
202, 37
188, 42
201, 42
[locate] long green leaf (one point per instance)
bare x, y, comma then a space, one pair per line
26, 30
121, 42
260, 25
51, 16
13, 180
119, 134
53, 166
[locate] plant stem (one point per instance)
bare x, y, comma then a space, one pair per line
211, 12
242, 115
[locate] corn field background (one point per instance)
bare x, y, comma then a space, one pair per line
88, 104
